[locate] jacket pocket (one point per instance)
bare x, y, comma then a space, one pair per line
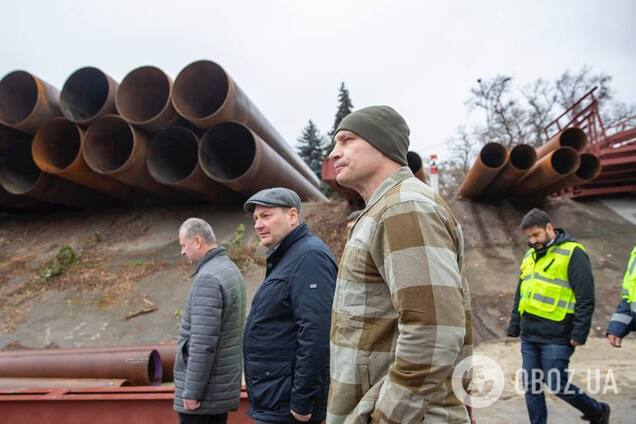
269, 384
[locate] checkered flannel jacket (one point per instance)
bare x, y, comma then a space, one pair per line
401, 317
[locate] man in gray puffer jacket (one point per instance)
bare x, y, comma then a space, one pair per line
207, 369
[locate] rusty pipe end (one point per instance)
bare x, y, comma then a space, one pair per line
227, 151
155, 370
56, 145
589, 168
523, 156
108, 145
564, 160
173, 155
144, 95
493, 155
200, 90
574, 138
18, 97
87, 94
18, 172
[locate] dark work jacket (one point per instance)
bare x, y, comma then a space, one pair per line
574, 326
286, 341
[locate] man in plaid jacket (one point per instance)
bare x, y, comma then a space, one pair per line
401, 315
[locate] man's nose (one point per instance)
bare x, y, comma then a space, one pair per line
335, 153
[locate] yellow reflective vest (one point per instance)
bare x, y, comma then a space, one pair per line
629, 281
545, 290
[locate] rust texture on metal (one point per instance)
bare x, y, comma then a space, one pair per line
139, 405
491, 159
522, 158
39, 383
144, 98
19, 175
57, 150
115, 148
206, 95
88, 94
416, 165
141, 367
173, 159
569, 137
27, 102
231, 154
557, 165
589, 168
167, 353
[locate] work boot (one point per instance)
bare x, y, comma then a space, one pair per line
602, 417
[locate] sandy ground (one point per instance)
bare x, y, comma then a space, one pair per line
611, 364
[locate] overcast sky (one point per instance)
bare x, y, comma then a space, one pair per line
420, 57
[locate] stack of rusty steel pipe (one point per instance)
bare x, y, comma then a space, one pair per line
87, 367
524, 171
146, 140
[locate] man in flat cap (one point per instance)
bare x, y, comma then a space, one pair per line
401, 314
286, 341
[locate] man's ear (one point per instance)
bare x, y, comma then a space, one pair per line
293, 214
549, 227
197, 241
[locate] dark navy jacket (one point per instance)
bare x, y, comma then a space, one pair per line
286, 341
623, 321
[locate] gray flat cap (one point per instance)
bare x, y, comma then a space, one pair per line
273, 197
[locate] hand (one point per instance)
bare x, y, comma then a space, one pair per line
575, 343
614, 340
301, 418
191, 404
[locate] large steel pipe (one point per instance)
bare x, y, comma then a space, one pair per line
569, 137
144, 98
550, 169
19, 175
88, 94
173, 160
233, 155
589, 168
141, 367
522, 159
167, 353
57, 150
75, 383
27, 102
416, 165
206, 95
491, 159
115, 148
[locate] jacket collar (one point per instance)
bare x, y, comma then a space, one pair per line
396, 178
275, 254
217, 251
562, 236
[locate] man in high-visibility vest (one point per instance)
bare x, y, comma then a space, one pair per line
624, 319
553, 310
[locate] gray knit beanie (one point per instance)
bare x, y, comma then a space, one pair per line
383, 128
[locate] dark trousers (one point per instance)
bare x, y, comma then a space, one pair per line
545, 364
202, 419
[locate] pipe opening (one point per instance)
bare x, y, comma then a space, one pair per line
574, 138
564, 160
200, 89
493, 155
57, 143
84, 94
155, 372
523, 156
18, 172
227, 151
589, 167
143, 94
18, 96
414, 161
173, 155
108, 145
